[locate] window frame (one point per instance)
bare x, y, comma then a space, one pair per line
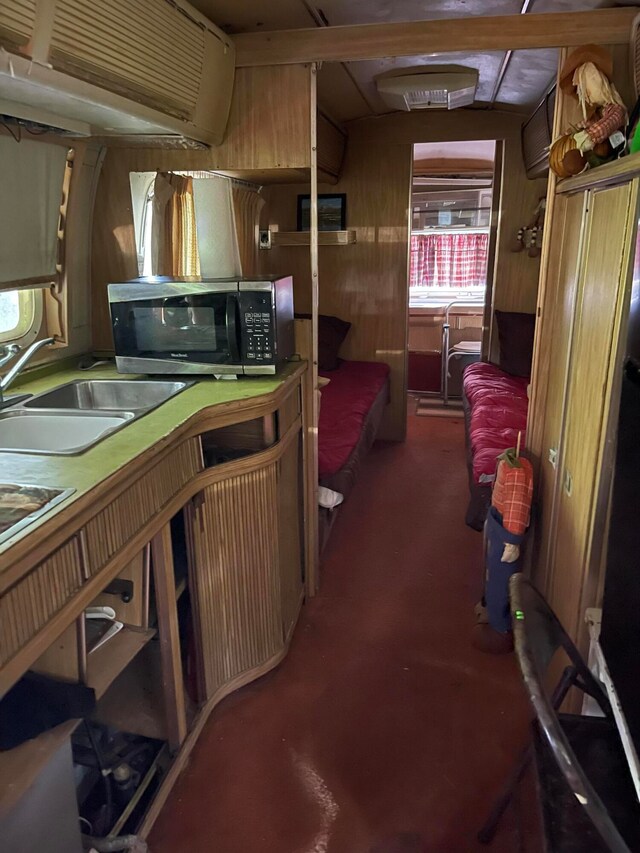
27, 333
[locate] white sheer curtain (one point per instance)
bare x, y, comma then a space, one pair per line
31, 176
217, 239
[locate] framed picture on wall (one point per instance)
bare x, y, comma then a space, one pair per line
332, 212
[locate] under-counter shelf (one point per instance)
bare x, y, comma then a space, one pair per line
303, 238
21, 766
135, 703
105, 664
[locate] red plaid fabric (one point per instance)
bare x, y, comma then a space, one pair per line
448, 260
613, 117
512, 494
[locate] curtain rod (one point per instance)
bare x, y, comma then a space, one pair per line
208, 174
445, 230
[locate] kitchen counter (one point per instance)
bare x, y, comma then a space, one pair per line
247, 577
148, 434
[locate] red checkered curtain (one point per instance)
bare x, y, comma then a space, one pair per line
449, 260
422, 263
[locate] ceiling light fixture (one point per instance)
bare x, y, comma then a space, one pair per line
429, 87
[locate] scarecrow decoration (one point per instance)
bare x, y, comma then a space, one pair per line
586, 76
504, 532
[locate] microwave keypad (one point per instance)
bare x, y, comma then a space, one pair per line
259, 341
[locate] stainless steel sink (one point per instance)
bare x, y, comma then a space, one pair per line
112, 395
56, 433
73, 417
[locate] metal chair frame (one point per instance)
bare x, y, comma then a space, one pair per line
447, 352
538, 634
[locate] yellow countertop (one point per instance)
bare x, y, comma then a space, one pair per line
87, 470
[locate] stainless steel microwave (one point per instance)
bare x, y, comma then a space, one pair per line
199, 325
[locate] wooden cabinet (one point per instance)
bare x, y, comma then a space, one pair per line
234, 575
559, 313
246, 561
586, 292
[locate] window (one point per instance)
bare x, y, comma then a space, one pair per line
451, 218
18, 313
184, 224
449, 263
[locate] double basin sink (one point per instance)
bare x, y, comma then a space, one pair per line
72, 418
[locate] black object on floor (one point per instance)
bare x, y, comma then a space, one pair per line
38, 703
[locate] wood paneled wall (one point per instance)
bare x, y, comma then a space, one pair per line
516, 282
268, 133
366, 283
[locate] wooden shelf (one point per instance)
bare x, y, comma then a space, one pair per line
615, 171
106, 663
21, 766
134, 703
303, 238
181, 587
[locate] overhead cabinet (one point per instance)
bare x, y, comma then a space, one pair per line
152, 67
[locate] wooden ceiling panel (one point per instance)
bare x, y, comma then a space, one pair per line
342, 12
247, 16
528, 76
347, 90
339, 95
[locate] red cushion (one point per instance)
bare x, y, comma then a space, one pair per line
498, 404
346, 401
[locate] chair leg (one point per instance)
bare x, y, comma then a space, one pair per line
490, 826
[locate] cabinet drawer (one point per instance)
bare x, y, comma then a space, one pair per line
289, 411
26, 607
111, 529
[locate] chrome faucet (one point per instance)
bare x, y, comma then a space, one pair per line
10, 350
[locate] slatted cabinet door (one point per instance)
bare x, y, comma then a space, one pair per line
234, 575
601, 294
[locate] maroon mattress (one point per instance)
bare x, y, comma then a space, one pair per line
495, 410
346, 402
498, 412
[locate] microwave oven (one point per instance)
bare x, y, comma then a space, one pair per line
202, 326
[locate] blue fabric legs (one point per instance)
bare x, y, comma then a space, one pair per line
498, 573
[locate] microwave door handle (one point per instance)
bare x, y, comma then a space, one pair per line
232, 328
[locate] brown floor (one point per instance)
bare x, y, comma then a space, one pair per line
383, 731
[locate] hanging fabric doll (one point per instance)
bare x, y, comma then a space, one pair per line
586, 76
530, 236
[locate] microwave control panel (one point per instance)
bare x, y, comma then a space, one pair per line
256, 312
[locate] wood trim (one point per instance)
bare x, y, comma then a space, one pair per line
304, 344
609, 173
303, 238
165, 593
481, 33
313, 566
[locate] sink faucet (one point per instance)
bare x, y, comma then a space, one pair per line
10, 350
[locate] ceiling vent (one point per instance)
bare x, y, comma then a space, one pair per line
432, 88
